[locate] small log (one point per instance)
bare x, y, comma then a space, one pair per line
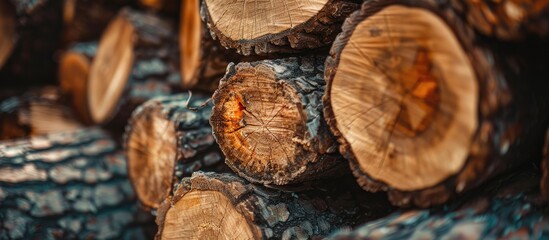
74, 71
223, 206
280, 26
544, 184
505, 209
136, 60
268, 121
85, 20
36, 112
35, 29
507, 20
165, 141
165, 7
203, 60
67, 186
427, 109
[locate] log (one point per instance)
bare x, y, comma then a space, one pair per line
165, 141
507, 209
268, 121
36, 112
506, 20
74, 71
257, 27
85, 20
165, 7
136, 59
403, 96
36, 32
67, 186
223, 206
203, 60
544, 183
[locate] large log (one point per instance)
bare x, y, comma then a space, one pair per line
36, 112
268, 120
35, 29
203, 60
85, 20
506, 210
258, 27
136, 59
223, 206
165, 141
507, 20
427, 109
67, 186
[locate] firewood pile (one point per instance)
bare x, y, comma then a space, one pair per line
290, 119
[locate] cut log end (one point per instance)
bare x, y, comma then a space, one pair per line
262, 125
151, 149
7, 31
111, 68
189, 41
404, 97
213, 215
74, 69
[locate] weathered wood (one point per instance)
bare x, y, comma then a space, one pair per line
85, 20
203, 60
36, 112
136, 60
223, 206
67, 186
507, 20
165, 141
505, 209
268, 120
257, 27
36, 34
427, 109
544, 184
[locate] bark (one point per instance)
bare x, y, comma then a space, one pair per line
506, 20
165, 141
249, 211
510, 105
152, 69
36, 112
38, 31
74, 71
508, 209
267, 119
318, 30
67, 185
85, 20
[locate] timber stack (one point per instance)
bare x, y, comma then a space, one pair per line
288, 119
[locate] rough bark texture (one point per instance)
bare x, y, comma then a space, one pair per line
507, 209
544, 184
38, 29
165, 141
155, 69
85, 20
67, 186
507, 20
512, 86
36, 112
320, 30
268, 120
274, 214
74, 70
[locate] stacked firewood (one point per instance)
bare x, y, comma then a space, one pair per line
278, 119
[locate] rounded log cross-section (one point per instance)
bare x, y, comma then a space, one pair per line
165, 141
409, 102
267, 119
264, 27
203, 59
223, 206
7, 30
